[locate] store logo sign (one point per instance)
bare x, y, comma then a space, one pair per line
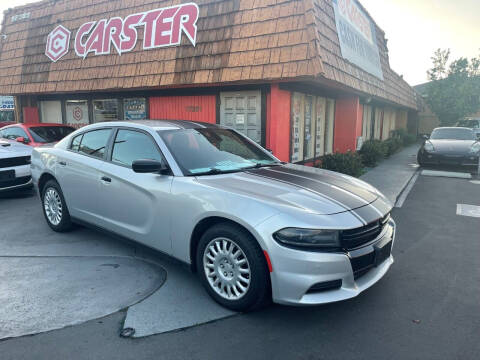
57, 43
161, 27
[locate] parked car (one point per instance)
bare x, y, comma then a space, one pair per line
36, 134
450, 146
471, 123
253, 228
14, 166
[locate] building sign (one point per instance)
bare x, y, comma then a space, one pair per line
135, 109
19, 17
77, 113
161, 27
7, 103
357, 35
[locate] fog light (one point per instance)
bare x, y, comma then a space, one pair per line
325, 286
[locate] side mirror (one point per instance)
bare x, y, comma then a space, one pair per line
145, 166
22, 140
425, 137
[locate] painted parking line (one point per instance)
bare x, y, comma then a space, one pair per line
403, 196
468, 210
450, 174
476, 182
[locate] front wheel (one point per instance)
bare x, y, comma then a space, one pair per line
54, 207
233, 269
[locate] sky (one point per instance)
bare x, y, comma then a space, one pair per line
414, 29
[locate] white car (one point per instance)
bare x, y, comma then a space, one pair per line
254, 228
14, 166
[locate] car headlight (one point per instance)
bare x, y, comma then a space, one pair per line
308, 238
475, 148
429, 147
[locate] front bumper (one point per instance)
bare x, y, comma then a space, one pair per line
295, 272
23, 179
448, 159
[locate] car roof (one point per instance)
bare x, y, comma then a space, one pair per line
159, 125
23, 125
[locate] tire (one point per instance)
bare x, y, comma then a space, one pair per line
53, 200
238, 253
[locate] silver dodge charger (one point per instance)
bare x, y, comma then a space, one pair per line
253, 228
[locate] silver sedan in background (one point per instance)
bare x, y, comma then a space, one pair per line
252, 227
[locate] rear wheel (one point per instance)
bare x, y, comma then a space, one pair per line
54, 207
233, 269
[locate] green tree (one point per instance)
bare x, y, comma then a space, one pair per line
454, 90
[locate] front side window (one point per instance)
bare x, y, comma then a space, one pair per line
199, 151
50, 134
132, 145
94, 142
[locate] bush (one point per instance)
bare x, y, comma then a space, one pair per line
349, 163
409, 139
392, 145
372, 152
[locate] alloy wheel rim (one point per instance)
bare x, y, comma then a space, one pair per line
53, 206
227, 268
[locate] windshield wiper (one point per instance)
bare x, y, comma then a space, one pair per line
261, 165
215, 171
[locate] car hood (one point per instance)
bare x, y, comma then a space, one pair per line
9, 149
452, 146
305, 188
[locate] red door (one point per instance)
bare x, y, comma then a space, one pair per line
194, 108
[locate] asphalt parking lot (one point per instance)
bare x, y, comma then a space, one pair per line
426, 307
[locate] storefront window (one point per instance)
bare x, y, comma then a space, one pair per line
7, 116
105, 110
135, 109
51, 111
77, 113
313, 119
367, 130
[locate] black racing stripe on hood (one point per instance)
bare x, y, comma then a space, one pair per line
335, 180
369, 213
346, 199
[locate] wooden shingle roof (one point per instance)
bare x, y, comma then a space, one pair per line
238, 41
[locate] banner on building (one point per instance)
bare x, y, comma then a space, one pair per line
357, 35
135, 109
7, 103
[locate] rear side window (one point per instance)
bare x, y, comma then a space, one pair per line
132, 145
94, 143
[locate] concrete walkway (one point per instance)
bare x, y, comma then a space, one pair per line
392, 175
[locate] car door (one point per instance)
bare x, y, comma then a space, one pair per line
78, 173
136, 205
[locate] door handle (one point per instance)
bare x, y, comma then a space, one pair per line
62, 163
106, 179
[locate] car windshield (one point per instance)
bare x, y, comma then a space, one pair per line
452, 134
49, 134
210, 151
473, 124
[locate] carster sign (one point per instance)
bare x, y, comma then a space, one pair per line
161, 27
357, 35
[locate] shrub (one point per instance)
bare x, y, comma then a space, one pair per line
392, 145
372, 152
348, 163
409, 139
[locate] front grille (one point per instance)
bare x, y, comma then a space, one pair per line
15, 161
362, 264
15, 182
351, 239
